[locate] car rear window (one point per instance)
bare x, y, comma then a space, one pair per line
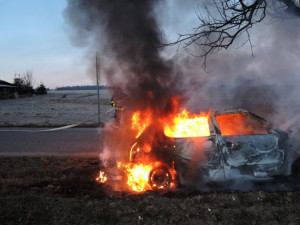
237, 124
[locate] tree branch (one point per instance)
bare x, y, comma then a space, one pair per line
226, 20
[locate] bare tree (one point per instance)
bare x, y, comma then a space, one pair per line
24, 83
223, 21
28, 79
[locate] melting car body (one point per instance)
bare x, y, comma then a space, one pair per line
241, 145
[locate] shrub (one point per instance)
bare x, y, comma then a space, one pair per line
41, 90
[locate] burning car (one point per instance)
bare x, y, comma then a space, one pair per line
229, 145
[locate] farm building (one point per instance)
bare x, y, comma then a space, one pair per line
6, 90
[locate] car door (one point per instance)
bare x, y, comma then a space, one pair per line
198, 159
248, 149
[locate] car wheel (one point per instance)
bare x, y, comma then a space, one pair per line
160, 178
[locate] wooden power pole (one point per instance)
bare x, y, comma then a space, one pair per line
98, 81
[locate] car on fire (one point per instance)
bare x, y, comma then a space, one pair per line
240, 146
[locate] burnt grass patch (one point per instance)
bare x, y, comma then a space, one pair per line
63, 190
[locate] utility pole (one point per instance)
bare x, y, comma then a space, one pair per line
98, 81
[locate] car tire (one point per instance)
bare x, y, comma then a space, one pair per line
160, 178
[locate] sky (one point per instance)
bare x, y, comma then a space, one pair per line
34, 38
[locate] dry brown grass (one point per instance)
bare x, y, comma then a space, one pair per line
62, 190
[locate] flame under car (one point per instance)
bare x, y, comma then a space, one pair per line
239, 145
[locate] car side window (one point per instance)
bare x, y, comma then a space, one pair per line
237, 124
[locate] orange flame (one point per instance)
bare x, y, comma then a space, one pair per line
137, 176
186, 124
183, 124
147, 148
140, 122
102, 178
237, 124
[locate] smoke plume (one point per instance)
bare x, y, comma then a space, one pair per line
128, 34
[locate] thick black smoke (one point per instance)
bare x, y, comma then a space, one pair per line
128, 36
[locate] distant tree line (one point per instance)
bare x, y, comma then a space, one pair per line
83, 87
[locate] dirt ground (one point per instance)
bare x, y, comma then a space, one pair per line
63, 190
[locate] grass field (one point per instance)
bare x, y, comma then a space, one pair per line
57, 108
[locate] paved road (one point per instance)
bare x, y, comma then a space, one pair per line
73, 141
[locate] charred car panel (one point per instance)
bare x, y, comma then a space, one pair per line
253, 154
241, 146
